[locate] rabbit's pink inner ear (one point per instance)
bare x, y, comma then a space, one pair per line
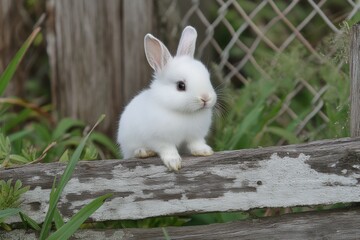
187, 42
165, 54
152, 51
156, 52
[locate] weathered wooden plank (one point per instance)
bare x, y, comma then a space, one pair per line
84, 48
314, 225
322, 172
97, 56
355, 80
138, 16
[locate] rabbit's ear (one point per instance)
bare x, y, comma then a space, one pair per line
187, 42
156, 52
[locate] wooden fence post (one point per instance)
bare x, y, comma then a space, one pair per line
96, 56
138, 19
355, 80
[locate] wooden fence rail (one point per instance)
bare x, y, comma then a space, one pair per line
320, 225
322, 172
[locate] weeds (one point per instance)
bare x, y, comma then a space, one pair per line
9, 199
13, 151
259, 112
30, 135
10, 194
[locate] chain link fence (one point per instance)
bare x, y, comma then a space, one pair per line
237, 35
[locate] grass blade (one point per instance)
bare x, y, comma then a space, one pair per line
79, 218
18, 159
16, 120
8, 212
107, 142
245, 125
20, 134
29, 221
14, 63
59, 222
55, 196
166, 235
283, 133
64, 125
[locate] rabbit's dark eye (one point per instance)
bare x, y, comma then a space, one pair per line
181, 86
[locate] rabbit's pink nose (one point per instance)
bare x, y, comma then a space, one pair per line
205, 97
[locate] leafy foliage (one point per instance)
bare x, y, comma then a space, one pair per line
22, 143
11, 68
10, 200
30, 135
40, 140
10, 194
257, 117
5, 214
66, 230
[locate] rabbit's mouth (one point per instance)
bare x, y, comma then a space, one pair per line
205, 101
200, 105
205, 105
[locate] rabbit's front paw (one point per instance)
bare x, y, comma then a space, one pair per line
144, 153
172, 161
200, 149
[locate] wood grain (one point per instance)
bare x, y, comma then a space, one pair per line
313, 225
355, 80
84, 52
138, 16
97, 57
323, 172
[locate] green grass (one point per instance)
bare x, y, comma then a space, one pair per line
8, 73
30, 135
56, 192
10, 195
255, 115
9, 198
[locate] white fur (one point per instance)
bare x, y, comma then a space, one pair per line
161, 119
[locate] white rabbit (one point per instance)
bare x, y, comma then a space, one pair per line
175, 111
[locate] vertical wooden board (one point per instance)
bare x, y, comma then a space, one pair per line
85, 55
355, 80
137, 21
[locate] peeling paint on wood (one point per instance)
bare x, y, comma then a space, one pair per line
306, 174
